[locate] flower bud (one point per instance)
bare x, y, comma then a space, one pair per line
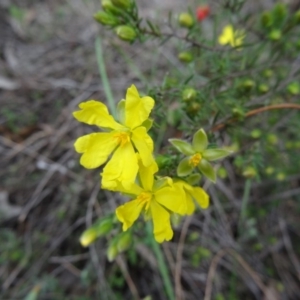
294, 88
275, 35
249, 172
296, 17
202, 12
238, 113
124, 242
105, 18
109, 7
269, 170
193, 108
272, 139
124, 4
263, 88
222, 173
185, 57
281, 176
268, 73
266, 19
247, 85
99, 228
189, 94
112, 252
186, 20
126, 33
256, 133
88, 237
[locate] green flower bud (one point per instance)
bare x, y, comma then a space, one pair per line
266, 19
249, 172
281, 176
296, 17
275, 35
193, 108
189, 94
222, 173
263, 88
185, 57
126, 33
256, 133
238, 113
124, 241
98, 229
109, 7
105, 18
112, 252
88, 237
279, 13
186, 20
269, 170
272, 139
289, 145
294, 88
247, 85
268, 73
124, 4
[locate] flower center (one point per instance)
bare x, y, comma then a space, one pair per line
195, 159
122, 137
144, 199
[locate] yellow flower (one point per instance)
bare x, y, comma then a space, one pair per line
156, 198
231, 36
193, 193
119, 139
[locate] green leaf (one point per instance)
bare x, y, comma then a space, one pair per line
184, 168
200, 141
214, 154
206, 168
182, 146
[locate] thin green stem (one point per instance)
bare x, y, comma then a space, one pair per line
104, 78
162, 266
245, 199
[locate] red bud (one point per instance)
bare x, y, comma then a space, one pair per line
202, 12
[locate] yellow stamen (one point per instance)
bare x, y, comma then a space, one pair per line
122, 137
145, 199
195, 159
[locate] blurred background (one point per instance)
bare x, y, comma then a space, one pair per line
47, 67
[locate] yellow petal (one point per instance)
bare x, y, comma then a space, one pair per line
146, 174
95, 113
129, 212
144, 144
117, 186
137, 109
122, 167
227, 35
200, 196
96, 147
190, 206
173, 198
161, 222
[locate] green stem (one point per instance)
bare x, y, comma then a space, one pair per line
162, 266
104, 78
245, 199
